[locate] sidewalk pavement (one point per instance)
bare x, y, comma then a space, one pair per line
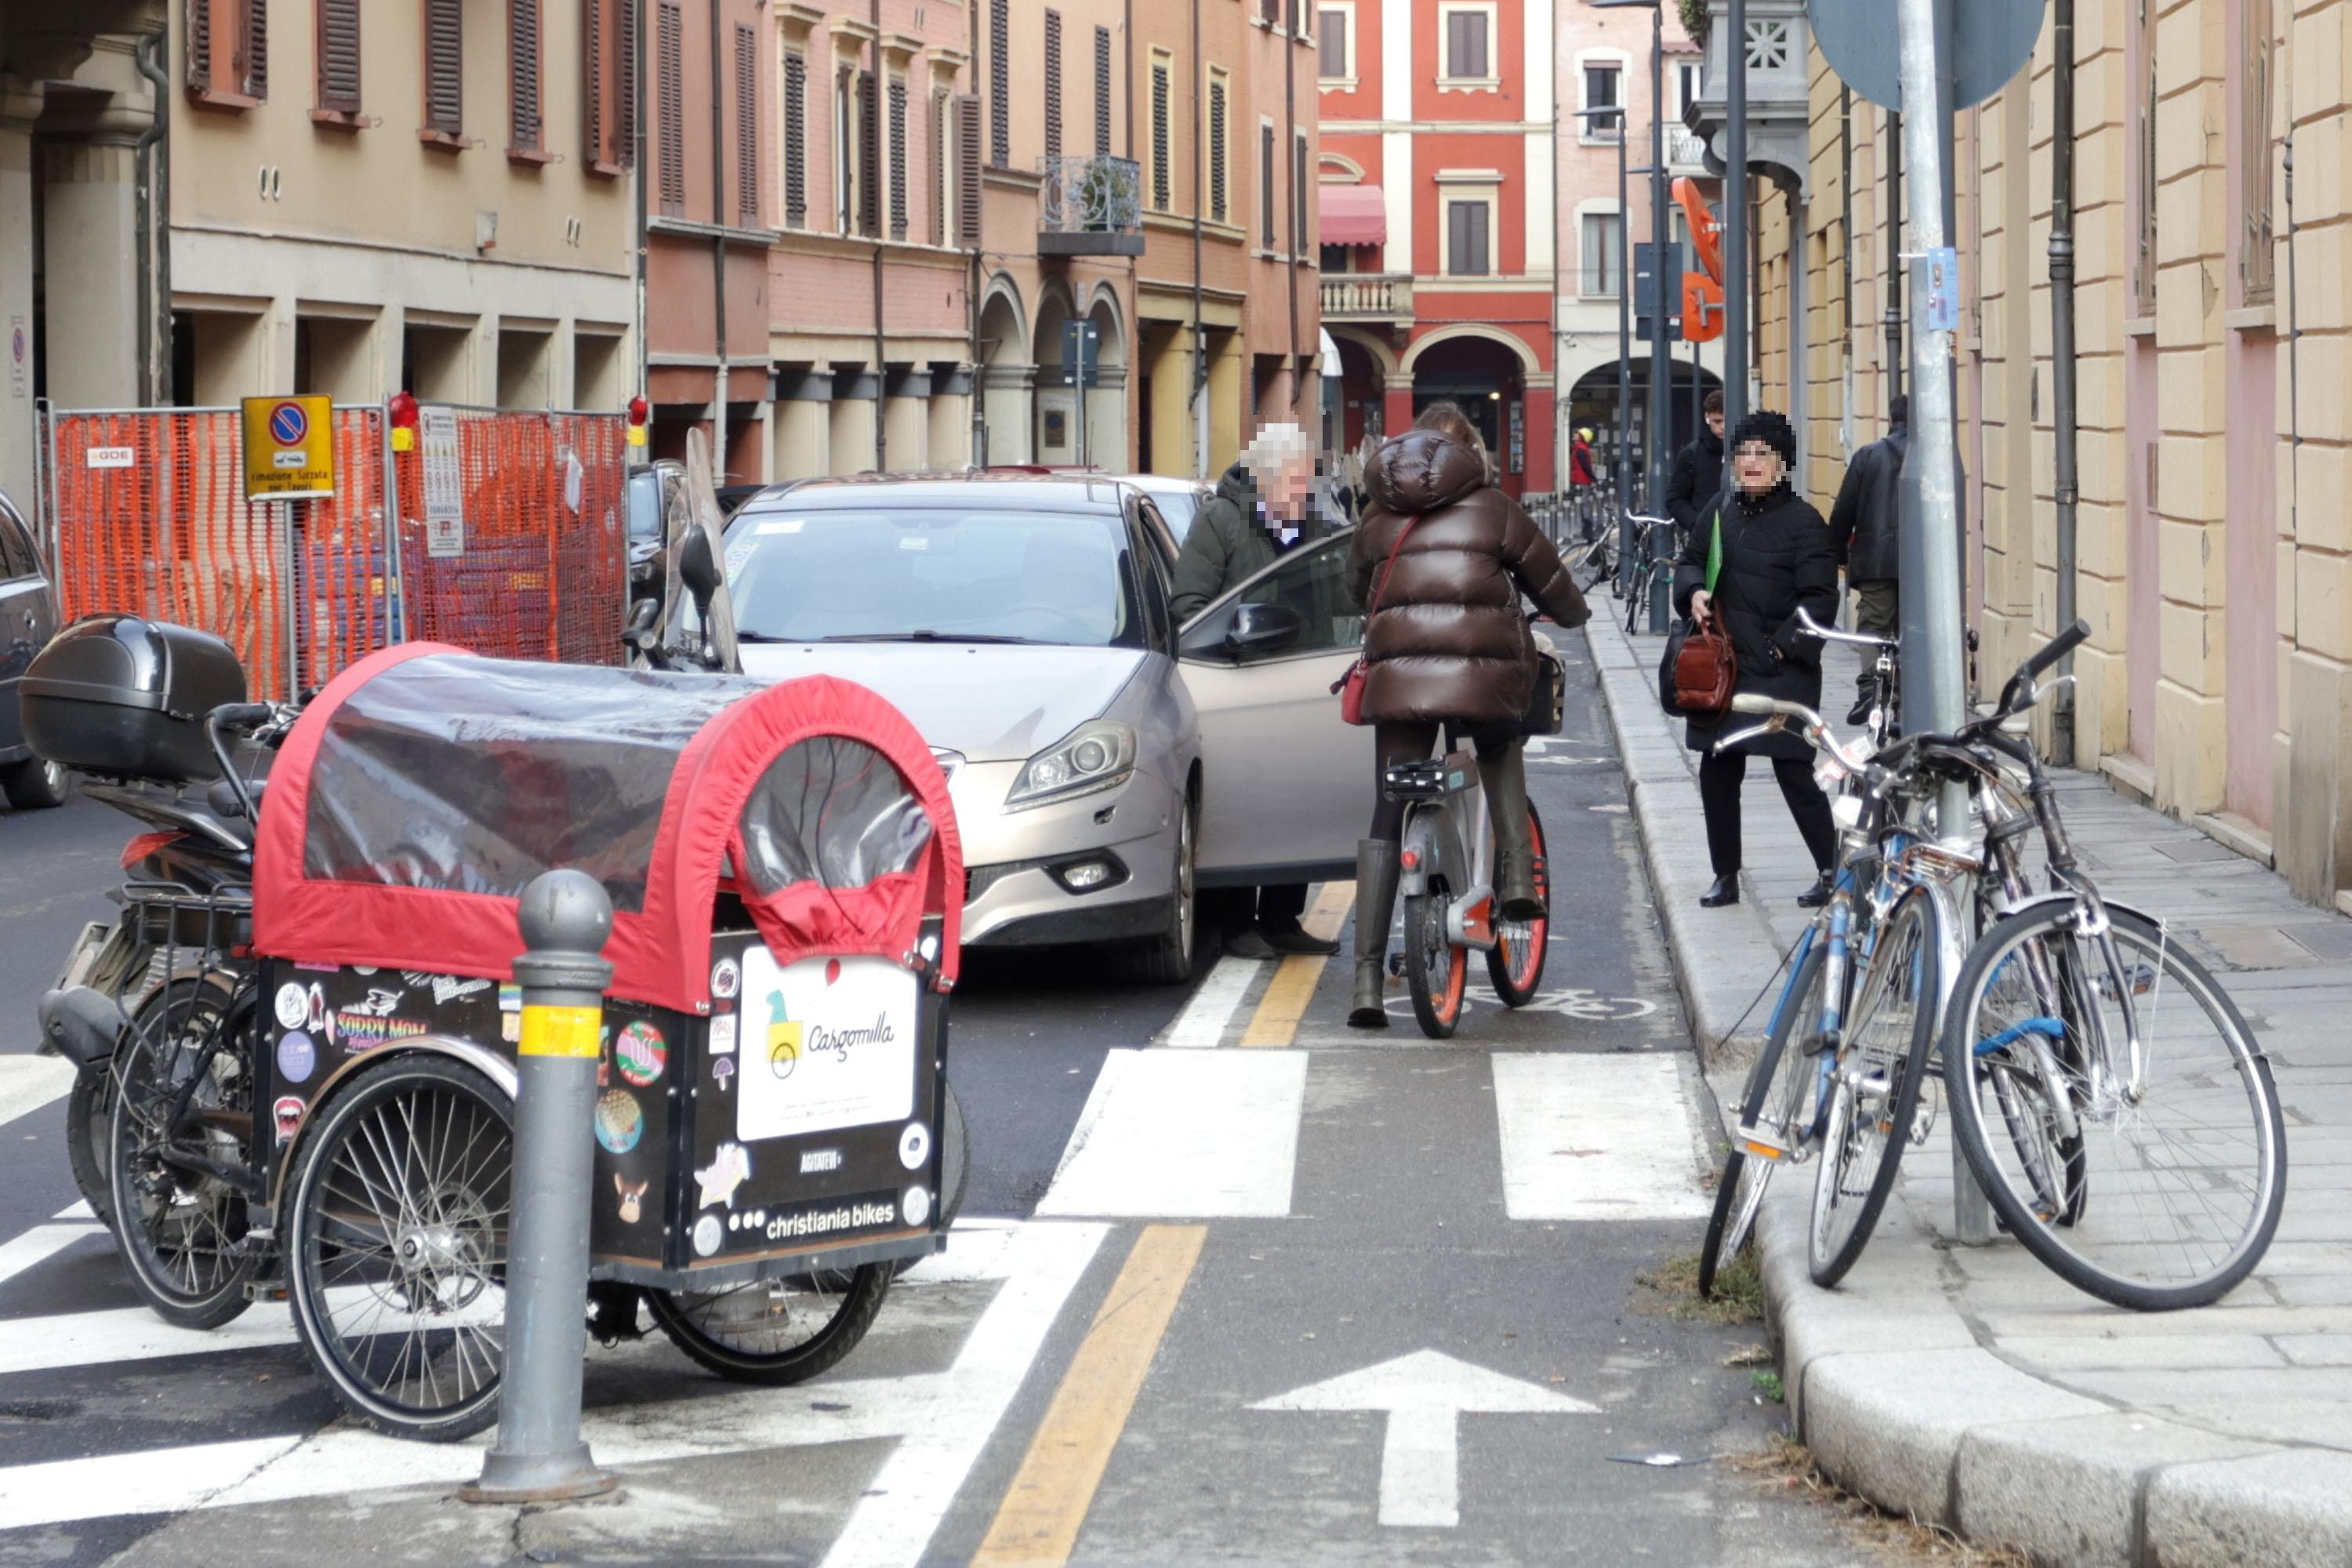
1967, 1385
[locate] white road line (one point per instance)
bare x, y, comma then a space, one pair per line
39, 1245
943, 1418
1596, 1137
78, 1209
30, 1082
1207, 1016
1185, 1136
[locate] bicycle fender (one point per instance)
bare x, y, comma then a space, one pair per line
2038, 900
1429, 834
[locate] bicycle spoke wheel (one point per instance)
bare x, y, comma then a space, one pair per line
773, 1332
183, 1094
2154, 1195
1515, 963
1436, 971
1767, 1115
1874, 1087
396, 1244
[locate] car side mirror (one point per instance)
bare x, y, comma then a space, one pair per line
1264, 628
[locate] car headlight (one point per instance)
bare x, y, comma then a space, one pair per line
1099, 755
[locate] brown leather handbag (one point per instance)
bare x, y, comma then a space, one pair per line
1705, 672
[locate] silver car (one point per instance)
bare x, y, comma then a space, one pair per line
1105, 762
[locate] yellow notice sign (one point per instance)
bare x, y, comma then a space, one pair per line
576, 1032
290, 449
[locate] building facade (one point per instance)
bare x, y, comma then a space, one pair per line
2213, 556
417, 196
1602, 61
1439, 198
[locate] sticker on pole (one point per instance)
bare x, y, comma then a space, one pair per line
290, 449
1942, 313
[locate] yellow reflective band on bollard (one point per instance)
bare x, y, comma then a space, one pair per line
576, 1032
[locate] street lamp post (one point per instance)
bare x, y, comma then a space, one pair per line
1661, 381
1625, 349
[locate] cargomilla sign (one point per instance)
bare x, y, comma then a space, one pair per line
290, 449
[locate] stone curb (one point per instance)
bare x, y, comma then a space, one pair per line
1892, 1390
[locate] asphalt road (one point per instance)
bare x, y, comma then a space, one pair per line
1235, 1304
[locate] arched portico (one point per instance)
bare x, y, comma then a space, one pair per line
1007, 374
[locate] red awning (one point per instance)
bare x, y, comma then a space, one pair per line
1354, 215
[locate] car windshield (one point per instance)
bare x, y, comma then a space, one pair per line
944, 574
1177, 507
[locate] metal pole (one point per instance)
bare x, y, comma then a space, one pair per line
538, 1456
1624, 369
1661, 362
2061, 355
1734, 229
1935, 667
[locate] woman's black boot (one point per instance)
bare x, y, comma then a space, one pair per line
1515, 855
1725, 891
1376, 887
1817, 895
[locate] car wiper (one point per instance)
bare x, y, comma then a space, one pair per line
743, 636
930, 636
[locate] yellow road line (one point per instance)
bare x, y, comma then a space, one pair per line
1285, 1003
1037, 1524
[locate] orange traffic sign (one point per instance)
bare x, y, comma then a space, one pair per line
1707, 233
1702, 308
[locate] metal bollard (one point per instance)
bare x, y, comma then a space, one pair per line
538, 1456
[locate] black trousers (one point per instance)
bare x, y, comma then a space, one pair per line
1236, 909
1719, 777
1395, 742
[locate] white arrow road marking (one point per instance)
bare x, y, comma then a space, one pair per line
30, 1082
942, 1419
1425, 1395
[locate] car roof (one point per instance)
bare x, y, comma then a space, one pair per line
961, 487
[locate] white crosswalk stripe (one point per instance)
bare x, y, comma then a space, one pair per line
1596, 1137
1185, 1135
28, 1082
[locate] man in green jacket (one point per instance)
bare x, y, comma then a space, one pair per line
1263, 508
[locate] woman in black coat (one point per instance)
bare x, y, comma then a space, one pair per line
1777, 560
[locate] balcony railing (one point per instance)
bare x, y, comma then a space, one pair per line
1090, 206
1368, 296
1685, 148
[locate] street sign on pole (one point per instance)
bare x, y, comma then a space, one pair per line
1991, 42
1079, 351
1657, 291
290, 449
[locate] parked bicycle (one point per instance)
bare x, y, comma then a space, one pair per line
1655, 549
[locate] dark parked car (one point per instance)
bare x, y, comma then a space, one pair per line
29, 619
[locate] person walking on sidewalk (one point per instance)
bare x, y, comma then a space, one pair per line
1439, 560
1698, 476
1773, 559
1866, 531
1264, 507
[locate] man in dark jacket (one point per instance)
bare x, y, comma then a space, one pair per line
1697, 474
1865, 528
1264, 507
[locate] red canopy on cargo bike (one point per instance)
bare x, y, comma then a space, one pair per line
421, 790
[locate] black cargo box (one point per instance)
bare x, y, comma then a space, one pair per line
127, 696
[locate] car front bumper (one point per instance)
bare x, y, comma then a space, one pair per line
1015, 863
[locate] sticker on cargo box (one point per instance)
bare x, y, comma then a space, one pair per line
826, 1044
619, 1122
640, 1052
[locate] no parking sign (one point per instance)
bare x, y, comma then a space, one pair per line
290, 449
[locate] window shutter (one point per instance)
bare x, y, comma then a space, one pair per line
942, 120
1270, 12
670, 107
445, 67
624, 83
1000, 83
795, 113
1477, 215
1053, 84
1102, 92
1334, 44
746, 126
1219, 198
200, 45
1265, 182
592, 80
522, 74
869, 156
968, 169
898, 158
253, 50
338, 56
1160, 180
1473, 28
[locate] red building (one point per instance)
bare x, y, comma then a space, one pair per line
1437, 218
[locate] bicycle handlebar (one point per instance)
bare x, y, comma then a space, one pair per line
1832, 633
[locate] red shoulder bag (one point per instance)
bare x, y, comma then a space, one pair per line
1350, 686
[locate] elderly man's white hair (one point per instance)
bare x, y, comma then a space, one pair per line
1275, 450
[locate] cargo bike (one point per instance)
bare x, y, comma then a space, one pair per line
306, 1073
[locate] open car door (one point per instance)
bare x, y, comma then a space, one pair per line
1288, 788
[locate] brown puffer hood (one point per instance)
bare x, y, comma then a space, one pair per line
1421, 471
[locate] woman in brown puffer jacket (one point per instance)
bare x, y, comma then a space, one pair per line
1448, 646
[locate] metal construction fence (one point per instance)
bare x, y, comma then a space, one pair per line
523, 556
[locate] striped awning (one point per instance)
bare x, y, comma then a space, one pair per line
1354, 215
